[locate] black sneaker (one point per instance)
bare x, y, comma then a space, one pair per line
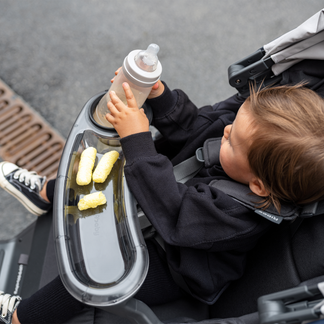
8, 305
25, 186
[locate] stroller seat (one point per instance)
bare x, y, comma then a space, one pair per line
283, 259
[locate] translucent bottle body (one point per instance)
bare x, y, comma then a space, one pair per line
140, 94
141, 69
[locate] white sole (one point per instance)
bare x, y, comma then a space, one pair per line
5, 184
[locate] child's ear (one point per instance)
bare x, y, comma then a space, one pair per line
257, 187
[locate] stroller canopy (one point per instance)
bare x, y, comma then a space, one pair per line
304, 42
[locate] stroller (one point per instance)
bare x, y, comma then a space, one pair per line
284, 273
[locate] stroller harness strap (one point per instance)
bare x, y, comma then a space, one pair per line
208, 155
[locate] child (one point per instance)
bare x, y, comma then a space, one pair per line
274, 146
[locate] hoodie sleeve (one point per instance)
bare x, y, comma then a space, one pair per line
179, 120
189, 216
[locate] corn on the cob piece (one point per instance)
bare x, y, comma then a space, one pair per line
87, 160
92, 200
104, 166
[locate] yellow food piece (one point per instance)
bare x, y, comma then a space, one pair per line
92, 200
87, 161
104, 166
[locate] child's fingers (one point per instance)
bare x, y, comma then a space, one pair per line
112, 108
111, 119
116, 72
112, 112
131, 102
119, 105
156, 86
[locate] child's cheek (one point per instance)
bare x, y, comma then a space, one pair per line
222, 155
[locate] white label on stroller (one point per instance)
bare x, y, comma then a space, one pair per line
273, 218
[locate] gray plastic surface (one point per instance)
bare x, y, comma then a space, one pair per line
293, 305
14, 260
101, 254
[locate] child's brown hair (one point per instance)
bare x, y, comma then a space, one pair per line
287, 149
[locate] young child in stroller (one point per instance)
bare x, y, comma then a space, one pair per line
271, 142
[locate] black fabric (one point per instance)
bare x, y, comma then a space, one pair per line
89, 316
308, 248
158, 287
49, 305
185, 307
270, 268
50, 190
207, 233
311, 71
282, 260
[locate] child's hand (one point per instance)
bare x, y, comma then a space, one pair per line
157, 90
127, 120
116, 72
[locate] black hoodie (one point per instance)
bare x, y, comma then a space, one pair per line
207, 233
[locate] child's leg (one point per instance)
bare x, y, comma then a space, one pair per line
15, 319
51, 304
43, 192
159, 286
54, 304
25, 186
8, 306
47, 192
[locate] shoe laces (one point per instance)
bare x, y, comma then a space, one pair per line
30, 178
7, 303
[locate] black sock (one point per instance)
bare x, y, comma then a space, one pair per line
50, 190
52, 304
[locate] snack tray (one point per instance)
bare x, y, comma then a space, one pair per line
101, 254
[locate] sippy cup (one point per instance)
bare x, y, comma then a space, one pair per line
141, 69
